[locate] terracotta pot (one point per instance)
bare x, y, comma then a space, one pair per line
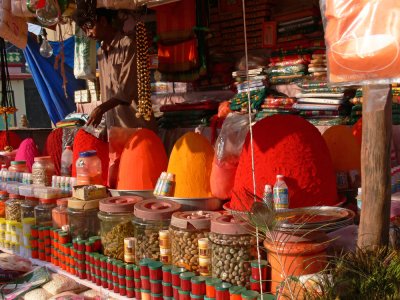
296, 255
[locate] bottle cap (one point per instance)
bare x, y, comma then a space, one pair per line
267, 188
89, 153
280, 176
68, 147
171, 177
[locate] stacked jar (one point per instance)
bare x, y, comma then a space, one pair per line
186, 229
151, 216
82, 218
43, 171
3, 228
18, 166
204, 257
43, 212
165, 247
60, 214
13, 223
116, 216
27, 220
232, 250
88, 168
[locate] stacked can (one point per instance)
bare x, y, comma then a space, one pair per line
176, 282
34, 241
211, 284
167, 282
204, 257
3, 229
198, 287
130, 280
155, 272
259, 275
145, 278
165, 247
235, 292
222, 291
138, 285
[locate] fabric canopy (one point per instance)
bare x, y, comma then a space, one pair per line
49, 81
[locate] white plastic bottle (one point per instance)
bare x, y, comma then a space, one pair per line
268, 197
3, 173
66, 161
281, 193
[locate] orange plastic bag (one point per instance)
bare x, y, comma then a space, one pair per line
363, 40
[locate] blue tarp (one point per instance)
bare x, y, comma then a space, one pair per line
49, 81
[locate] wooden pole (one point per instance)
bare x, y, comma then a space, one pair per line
375, 166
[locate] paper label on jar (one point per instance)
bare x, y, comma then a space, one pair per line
165, 251
204, 252
165, 243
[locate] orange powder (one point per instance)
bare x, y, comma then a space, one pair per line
344, 149
191, 161
142, 161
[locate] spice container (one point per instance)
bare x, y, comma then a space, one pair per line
116, 215
222, 291
166, 271
151, 216
156, 286
232, 250
42, 171
186, 229
155, 270
210, 286
184, 295
60, 213
235, 292
82, 218
259, 268
185, 278
43, 212
18, 166
198, 285
250, 295
88, 168
176, 272
28, 216
13, 188
3, 199
13, 208
167, 289
165, 247
27, 190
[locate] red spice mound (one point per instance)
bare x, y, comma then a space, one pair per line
84, 142
357, 131
53, 148
15, 140
290, 146
142, 161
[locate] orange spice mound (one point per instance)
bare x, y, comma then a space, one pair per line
344, 149
191, 161
142, 161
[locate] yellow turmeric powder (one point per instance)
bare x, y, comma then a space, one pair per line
191, 162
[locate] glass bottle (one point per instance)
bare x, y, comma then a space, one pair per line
281, 193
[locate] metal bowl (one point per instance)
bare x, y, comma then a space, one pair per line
146, 194
189, 204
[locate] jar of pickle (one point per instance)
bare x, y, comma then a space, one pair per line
13, 208
28, 214
185, 230
60, 213
3, 199
82, 218
151, 216
116, 215
43, 171
232, 249
43, 212
18, 166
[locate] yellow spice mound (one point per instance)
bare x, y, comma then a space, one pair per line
191, 161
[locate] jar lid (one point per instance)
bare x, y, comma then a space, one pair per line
250, 295
47, 201
177, 270
186, 275
193, 219
236, 290
18, 162
227, 224
62, 202
155, 265
255, 264
83, 205
119, 204
167, 268
211, 281
156, 210
89, 153
144, 262
42, 158
198, 279
223, 286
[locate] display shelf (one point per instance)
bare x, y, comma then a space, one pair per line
87, 283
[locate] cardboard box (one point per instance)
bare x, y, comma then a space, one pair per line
89, 192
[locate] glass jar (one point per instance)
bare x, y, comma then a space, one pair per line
185, 231
232, 249
151, 216
13, 208
60, 213
43, 212
88, 168
42, 171
116, 215
18, 166
3, 199
82, 218
28, 214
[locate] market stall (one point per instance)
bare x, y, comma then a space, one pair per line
250, 188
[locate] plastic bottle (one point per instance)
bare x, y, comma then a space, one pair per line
268, 197
359, 198
88, 168
3, 173
281, 193
160, 182
168, 187
66, 162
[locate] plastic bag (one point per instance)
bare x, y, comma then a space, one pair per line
85, 56
362, 39
228, 148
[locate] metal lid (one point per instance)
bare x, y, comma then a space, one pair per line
18, 162
155, 210
193, 219
89, 153
119, 204
227, 224
42, 158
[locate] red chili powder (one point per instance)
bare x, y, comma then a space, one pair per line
290, 146
53, 148
15, 140
142, 161
357, 131
84, 142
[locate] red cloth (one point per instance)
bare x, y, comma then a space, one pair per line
53, 148
14, 139
204, 105
178, 57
